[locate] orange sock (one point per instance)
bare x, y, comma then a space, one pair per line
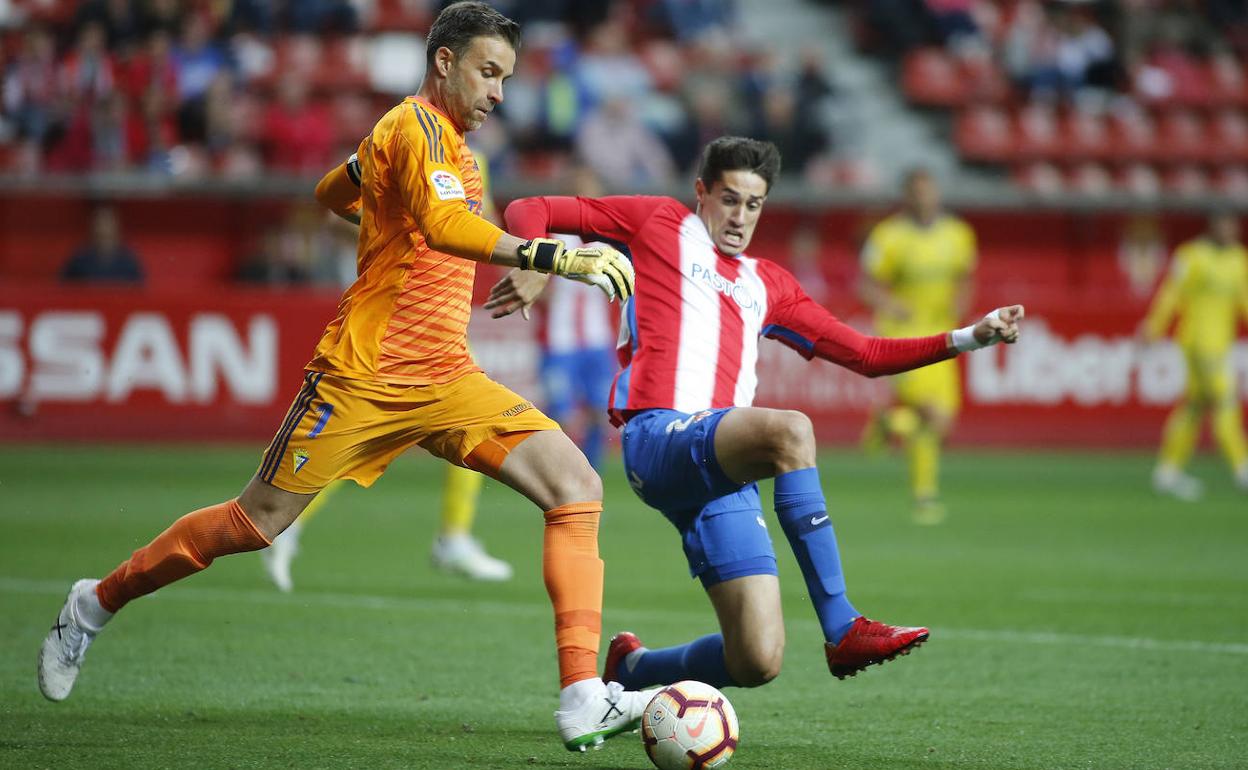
573, 575
187, 547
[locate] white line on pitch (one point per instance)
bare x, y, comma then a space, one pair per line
9, 585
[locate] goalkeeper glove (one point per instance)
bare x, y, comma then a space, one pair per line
600, 266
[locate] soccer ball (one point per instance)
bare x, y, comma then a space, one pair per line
688, 726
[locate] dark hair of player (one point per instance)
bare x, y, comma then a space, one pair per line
914, 174
459, 23
737, 153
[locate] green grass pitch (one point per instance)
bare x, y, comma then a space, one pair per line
1077, 621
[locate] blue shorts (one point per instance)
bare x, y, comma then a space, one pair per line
669, 458
581, 378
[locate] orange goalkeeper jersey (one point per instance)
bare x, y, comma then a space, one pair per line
405, 319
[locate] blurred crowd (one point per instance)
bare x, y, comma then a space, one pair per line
239, 88
1071, 49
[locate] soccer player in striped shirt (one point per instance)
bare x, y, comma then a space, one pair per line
694, 447
393, 371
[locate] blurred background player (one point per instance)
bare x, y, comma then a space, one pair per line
916, 276
1207, 288
455, 549
577, 337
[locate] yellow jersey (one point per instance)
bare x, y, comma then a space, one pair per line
405, 319
923, 267
1206, 286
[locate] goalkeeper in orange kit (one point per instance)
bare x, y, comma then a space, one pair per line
393, 371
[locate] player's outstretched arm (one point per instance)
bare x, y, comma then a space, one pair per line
1001, 325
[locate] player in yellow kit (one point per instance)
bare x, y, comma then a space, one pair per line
1207, 288
916, 277
393, 371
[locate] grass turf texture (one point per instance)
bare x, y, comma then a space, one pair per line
1078, 621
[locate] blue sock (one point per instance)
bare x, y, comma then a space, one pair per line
593, 442
701, 660
803, 515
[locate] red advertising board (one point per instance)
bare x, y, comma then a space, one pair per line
113, 364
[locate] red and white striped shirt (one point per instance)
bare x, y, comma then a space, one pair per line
690, 333
574, 316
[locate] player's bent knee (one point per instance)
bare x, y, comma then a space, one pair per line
791, 439
758, 666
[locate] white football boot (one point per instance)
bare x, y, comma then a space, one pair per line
1168, 480
1241, 478
60, 657
464, 555
278, 556
590, 712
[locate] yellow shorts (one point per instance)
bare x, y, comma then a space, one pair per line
937, 386
339, 428
1209, 377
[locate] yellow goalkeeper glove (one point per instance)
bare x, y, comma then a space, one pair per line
600, 266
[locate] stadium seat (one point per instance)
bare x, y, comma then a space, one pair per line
1228, 84
1228, 139
1141, 180
1039, 133
984, 134
1233, 182
1135, 135
1188, 181
1087, 136
985, 81
932, 78
1183, 137
1041, 178
1091, 179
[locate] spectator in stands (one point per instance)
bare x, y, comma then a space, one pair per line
31, 96
622, 150
104, 258
693, 19
272, 263
338, 16
298, 134
199, 59
119, 19
87, 73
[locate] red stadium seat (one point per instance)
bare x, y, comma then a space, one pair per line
1039, 133
1188, 181
932, 78
1088, 136
1041, 178
985, 81
1233, 182
1135, 135
1228, 83
1228, 137
1183, 136
1141, 180
1091, 179
984, 134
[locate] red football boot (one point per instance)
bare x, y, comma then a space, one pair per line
868, 643
621, 645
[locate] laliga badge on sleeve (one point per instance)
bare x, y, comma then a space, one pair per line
446, 185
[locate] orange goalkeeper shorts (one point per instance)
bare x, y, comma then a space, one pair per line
339, 428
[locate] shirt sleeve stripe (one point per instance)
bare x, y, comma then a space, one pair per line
433, 148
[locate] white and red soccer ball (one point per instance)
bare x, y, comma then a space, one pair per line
689, 726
